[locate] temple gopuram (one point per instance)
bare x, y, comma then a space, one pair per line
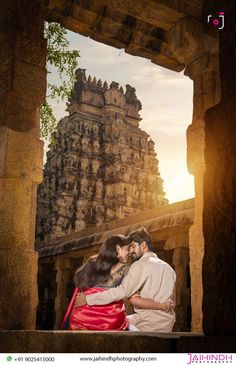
102, 178
102, 166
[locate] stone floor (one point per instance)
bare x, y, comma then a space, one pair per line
116, 342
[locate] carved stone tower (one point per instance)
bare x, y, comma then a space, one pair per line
102, 167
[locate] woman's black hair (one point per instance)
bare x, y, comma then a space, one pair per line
97, 270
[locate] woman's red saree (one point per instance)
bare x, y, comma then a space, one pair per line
109, 317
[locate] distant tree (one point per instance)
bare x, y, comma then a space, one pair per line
64, 62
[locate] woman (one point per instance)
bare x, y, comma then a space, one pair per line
101, 272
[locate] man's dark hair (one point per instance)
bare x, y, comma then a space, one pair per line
140, 235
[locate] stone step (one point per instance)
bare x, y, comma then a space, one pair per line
113, 342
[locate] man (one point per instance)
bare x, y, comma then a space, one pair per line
150, 277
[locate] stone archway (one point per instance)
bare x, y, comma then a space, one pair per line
171, 35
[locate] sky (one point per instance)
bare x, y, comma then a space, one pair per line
166, 98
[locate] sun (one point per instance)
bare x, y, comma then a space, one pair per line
179, 186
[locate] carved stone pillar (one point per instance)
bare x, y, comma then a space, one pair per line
219, 213
181, 262
205, 75
23, 87
199, 53
62, 267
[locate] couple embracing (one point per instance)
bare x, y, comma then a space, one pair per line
105, 281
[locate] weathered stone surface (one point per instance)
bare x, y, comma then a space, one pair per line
23, 155
102, 167
23, 59
206, 93
20, 172
62, 268
187, 41
139, 30
219, 273
23, 85
108, 342
203, 69
156, 220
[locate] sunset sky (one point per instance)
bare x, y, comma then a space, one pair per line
166, 98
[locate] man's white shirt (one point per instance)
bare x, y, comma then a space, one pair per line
153, 278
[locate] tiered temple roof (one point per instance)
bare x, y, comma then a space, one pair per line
103, 166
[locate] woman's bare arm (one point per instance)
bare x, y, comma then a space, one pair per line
146, 303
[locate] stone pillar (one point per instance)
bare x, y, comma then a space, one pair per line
198, 52
86, 256
179, 243
23, 87
62, 267
181, 262
205, 75
219, 210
